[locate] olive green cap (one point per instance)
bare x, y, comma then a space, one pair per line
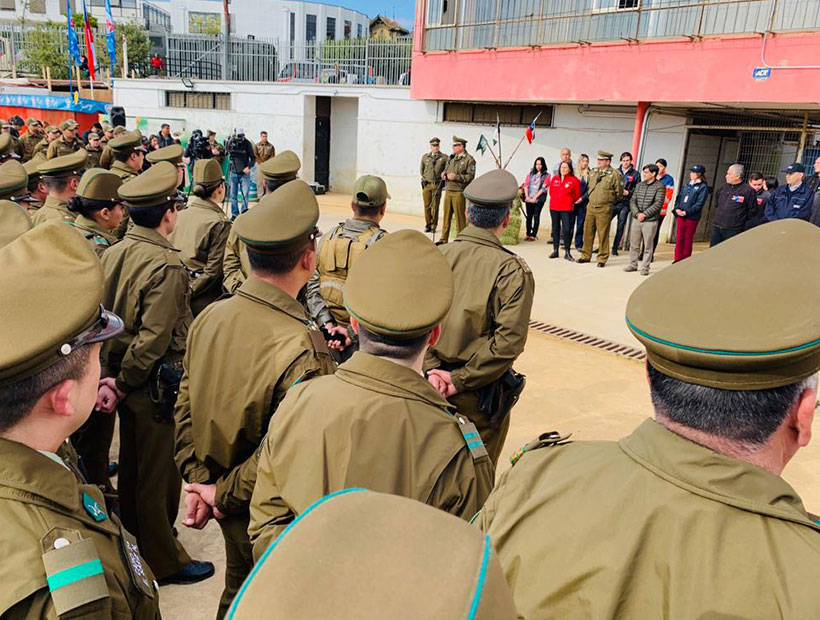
100, 184
69, 165
107, 126
283, 166
370, 191
171, 153
401, 287
32, 168
30, 121
52, 129
358, 554
207, 171
7, 145
435, 141
283, 221
127, 142
13, 178
46, 303
155, 187
461, 141
93, 136
69, 124
495, 189
702, 320
14, 221
119, 130
604, 155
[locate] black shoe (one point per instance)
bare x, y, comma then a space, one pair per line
440, 242
582, 260
595, 251
113, 468
193, 572
174, 532
614, 251
568, 257
426, 229
602, 264
554, 254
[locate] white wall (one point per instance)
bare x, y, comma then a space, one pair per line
344, 139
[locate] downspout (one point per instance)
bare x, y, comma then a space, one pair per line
765, 40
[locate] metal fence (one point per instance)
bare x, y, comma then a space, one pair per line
474, 24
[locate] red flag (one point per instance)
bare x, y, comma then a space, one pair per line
530, 132
89, 44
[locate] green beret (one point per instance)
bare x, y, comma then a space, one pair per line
47, 304
381, 556
155, 187
461, 141
171, 153
100, 184
69, 124
604, 155
65, 165
283, 221
435, 141
702, 320
14, 221
370, 191
283, 166
13, 178
7, 145
32, 168
414, 284
127, 142
207, 171
494, 189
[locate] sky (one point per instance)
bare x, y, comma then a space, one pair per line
404, 10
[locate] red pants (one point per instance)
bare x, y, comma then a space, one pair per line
684, 237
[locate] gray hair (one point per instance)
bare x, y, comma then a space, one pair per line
737, 169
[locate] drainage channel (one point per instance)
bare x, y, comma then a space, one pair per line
590, 341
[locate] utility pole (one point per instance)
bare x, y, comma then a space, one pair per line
226, 43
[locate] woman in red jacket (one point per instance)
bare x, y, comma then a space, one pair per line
565, 190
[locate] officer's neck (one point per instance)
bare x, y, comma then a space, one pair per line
63, 196
38, 431
290, 283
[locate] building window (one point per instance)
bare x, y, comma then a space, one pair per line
63, 8
331, 28
310, 27
200, 101
7, 5
615, 5
488, 113
348, 29
292, 26
358, 31
37, 6
204, 23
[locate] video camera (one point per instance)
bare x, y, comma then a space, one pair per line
200, 147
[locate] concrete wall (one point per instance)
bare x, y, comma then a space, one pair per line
344, 140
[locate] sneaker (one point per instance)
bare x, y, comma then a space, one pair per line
644, 272
193, 572
630, 268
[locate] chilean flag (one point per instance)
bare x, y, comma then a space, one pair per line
530, 133
89, 44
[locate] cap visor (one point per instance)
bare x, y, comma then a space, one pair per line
113, 326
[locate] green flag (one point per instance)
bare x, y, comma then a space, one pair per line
482, 144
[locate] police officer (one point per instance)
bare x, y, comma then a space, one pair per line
128, 153
67, 143
51, 134
13, 183
262, 152
604, 188
277, 171
338, 253
432, 167
61, 176
146, 282
107, 156
495, 288
691, 518
31, 138
67, 555
458, 174
201, 232
8, 148
375, 555
261, 333
98, 207
173, 154
94, 149
792, 200
37, 192
376, 423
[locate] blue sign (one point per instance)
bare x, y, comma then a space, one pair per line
50, 102
762, 73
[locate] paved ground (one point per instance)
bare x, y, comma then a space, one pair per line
571, 388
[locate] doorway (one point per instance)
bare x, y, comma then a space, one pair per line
321, 173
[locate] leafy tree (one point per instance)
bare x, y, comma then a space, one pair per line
44, 45
79, 24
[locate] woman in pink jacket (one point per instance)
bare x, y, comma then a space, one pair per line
565, 190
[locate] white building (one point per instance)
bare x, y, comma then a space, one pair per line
149, 14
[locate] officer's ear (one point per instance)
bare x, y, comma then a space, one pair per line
435, 336
355, 325
803, 416
74, 183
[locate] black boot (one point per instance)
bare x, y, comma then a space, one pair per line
554, 254
568, 256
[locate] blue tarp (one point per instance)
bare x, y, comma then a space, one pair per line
51, 102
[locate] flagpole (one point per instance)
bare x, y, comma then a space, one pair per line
498, 131
519, 143
497, 160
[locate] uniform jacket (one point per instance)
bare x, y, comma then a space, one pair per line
648, 199
52, 521
123, 170
605, 187
564, 192
432, 165
691, 199
243, 354
263, 151
200, 235
486, 328
463, 166
678, 531
106, 157
235, 264
41, 148
735, 204
60, 147
784, 203
94, 155
146, 285
29, 143
98, 237
374, 424
52, 209
629, 179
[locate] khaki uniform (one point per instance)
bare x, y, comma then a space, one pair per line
147, 285
52, 521
41, 148
675, 530
243, 355
60, 147
106, 156
373, 424
432, 165
463, 166
98, 237
125, 172
28, 144
93, 157
486, 328
235, 264
604, 189
52, 209
33, 205
200, 234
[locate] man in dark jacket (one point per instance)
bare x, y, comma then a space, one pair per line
630, 179
735, 204
794, 199
645, 206
762, 195
240, 151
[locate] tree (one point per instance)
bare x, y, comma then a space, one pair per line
44, 45
79, 24
138, 46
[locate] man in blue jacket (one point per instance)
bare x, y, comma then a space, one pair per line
794, 199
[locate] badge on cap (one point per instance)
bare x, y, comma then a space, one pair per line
93, 508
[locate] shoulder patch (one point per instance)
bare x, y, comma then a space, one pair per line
74, 574
552, 438
523, 264
471, 437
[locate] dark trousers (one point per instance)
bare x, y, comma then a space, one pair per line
561, 226
621, 211
658, 232
719, 235
93, 442
238, 558
533, 212
684, 236
580, 216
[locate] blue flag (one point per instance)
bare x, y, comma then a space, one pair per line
73, 43
109, 35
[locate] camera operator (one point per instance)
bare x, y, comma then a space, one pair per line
240, 152
198, 148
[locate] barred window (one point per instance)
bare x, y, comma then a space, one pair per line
490, 113
200, 101
7, 5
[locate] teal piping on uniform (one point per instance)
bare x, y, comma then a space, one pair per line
482, 575
74, 574
474, 444
471, 435
391, 331
264, 557
801, 347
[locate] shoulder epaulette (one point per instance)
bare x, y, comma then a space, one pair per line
552, 438
471, 438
